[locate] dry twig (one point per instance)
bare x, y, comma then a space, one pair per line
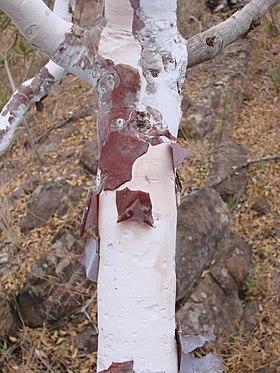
237, 168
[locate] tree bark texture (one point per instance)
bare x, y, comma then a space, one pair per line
139, 108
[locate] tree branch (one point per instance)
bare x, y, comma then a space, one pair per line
33, 90
13, 88
237, 168
206, 45
37, 23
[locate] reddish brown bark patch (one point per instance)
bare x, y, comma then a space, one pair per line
137, 23
118, 102
90, 213
26, 93
125, 367
134, 205
129, 85
117, 158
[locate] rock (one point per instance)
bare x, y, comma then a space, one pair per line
233, 266
54, 196
215, 301
228, 155
261, 206
86, 342
54, 289
89, 156
209, 307
203, 222
249, 319
65, 241
25, 188
9, 323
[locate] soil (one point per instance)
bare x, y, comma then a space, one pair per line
60, 133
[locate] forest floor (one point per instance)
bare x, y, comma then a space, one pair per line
258, 127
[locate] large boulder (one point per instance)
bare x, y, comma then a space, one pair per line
56, 287
203, 223
228, 155
54, 196
215, 301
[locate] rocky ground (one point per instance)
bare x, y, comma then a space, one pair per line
228, 222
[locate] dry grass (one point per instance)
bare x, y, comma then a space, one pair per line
7, 222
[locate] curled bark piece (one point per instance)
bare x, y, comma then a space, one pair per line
117, 158
188, 364
134, 205
90, 213
90, 259
125, 367
178, 153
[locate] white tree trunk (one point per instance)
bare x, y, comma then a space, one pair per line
136, 283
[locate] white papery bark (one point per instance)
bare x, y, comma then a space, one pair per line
37, 23
34, 89
136, 284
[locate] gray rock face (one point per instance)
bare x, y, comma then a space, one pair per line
87, 340
54, 196
203, 222
229, 154
249, 319
215, 301
207, 308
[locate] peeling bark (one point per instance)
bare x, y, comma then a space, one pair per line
90, 214
139, 115
117, 158
90, 259
126, 367
134, 205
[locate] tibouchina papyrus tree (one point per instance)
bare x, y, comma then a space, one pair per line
136, 60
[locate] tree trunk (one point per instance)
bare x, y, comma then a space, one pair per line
139, 102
